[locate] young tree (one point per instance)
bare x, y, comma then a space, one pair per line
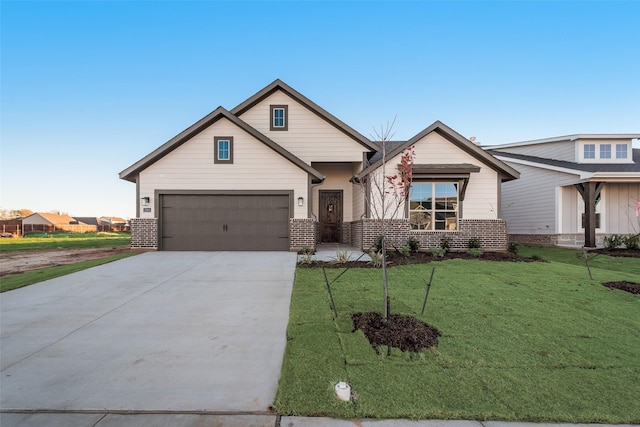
387, 195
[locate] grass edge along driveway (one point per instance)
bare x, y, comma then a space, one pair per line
536, 342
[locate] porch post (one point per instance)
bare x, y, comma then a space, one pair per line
590, 192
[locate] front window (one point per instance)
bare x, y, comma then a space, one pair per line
589, 151
621, 151
279, 119
605, 151
433, 206
223, 149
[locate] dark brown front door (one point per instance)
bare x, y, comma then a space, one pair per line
330, 216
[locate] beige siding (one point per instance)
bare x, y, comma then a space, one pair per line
619, 202
255, 167
358, 196
481, 198
565, 150
309, 137
529, 203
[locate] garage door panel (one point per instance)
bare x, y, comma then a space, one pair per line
225, 222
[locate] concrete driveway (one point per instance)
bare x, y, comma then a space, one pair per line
161, 331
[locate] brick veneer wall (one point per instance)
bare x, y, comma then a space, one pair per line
492, 234
302, 233
576, 239
144, 233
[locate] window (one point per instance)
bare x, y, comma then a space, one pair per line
223, 149
279, 117
621, 151
589, 151
433, 206
605, 151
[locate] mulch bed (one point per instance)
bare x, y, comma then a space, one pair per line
631, 287
394, 258
404, 332
628, 253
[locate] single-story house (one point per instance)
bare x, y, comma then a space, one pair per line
278, 172
48, 222
573, 190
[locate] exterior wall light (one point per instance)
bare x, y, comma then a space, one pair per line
145, 201
300, 201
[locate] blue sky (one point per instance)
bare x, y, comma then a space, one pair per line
88, 88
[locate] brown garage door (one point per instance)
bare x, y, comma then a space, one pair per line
224, 222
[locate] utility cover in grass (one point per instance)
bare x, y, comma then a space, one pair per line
404, 332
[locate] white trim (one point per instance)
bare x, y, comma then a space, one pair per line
559, 211
582, 174
573, 137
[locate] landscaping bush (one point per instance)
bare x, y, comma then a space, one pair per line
613, 241
413, 244
474, 243
513, 248
632, 241
445, 243
438, 252
475, 252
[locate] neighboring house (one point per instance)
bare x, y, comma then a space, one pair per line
573, 190
278, 172
42, 221
112, 223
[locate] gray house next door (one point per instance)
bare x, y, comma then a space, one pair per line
224, 222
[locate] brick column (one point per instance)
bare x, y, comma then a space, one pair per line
302, 233
144, 233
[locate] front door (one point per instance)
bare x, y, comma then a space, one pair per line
330, 216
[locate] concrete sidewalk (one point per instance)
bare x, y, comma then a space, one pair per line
237, 420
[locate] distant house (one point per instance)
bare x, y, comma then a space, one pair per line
113, 223
573, 190
278, 172
49, 222
89, 220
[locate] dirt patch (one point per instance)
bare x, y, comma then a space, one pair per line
21, 261
404, 332
630, 287
627, 253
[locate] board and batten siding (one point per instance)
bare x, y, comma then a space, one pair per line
564, 150
255, 167
308, 137
620, 200
529, 203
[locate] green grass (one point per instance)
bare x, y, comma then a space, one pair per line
64, 240
534, 342
14, 281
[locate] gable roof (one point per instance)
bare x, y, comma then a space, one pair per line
53, 218
132, 171
581, 167
396, 147
310, 105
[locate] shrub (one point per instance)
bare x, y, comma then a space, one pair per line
414, 244
474, 243
405, 251
438, 252
341, 257
513, 248
632, 241
376, 258
613, 241
306, 258
475, 252
306, 250
445, 242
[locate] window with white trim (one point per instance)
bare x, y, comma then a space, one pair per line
621, 151
605, 151
433, 206
223, 147
589, 151
279, 117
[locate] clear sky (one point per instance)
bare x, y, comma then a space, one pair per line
89, 88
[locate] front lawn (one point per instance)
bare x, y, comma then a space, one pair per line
60, 240
520, 341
